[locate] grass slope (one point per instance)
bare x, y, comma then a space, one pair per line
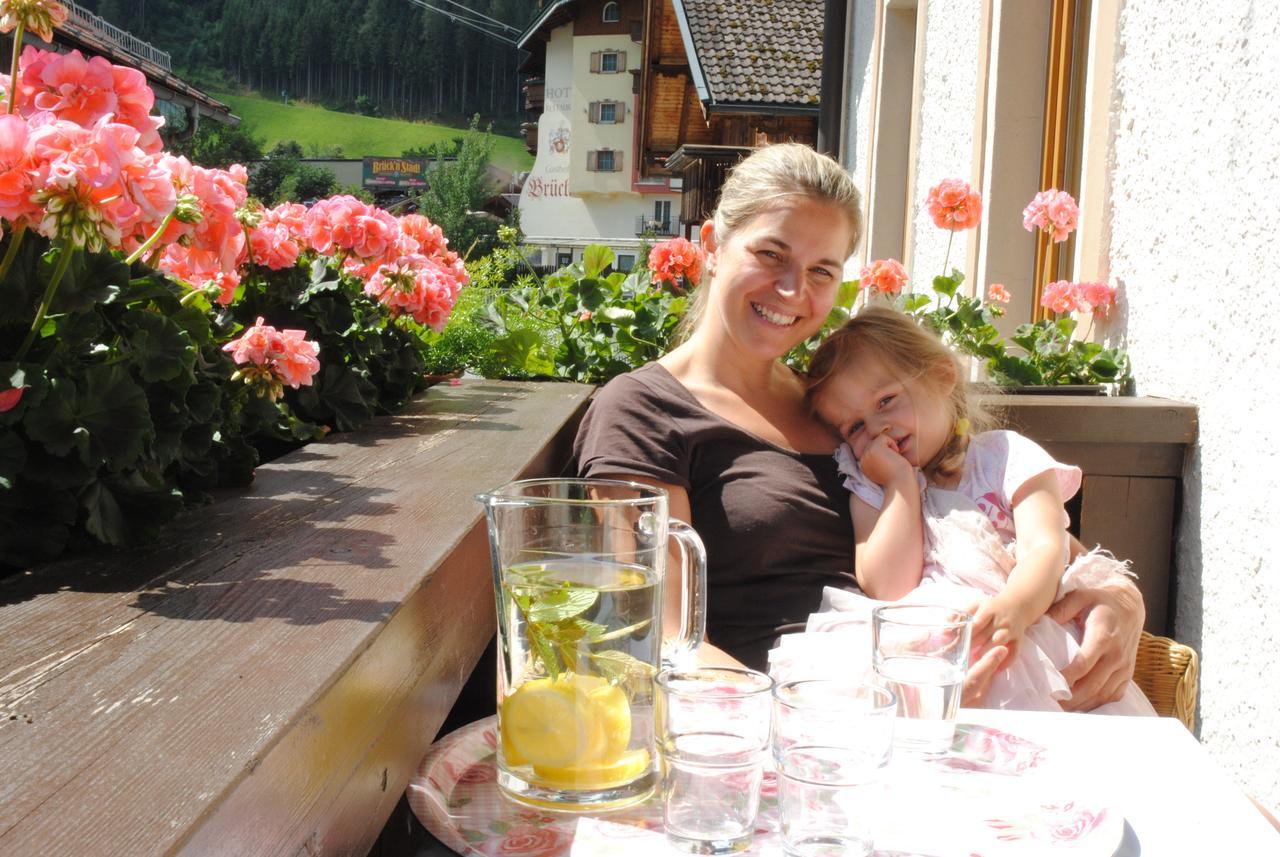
357, 135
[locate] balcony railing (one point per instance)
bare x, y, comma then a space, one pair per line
110, 32
654, 226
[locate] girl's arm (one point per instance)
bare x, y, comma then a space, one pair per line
1033, 583
889, 550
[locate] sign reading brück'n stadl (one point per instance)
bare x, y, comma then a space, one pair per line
395, 172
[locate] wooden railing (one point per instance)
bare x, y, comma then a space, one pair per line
120, 38
264, 677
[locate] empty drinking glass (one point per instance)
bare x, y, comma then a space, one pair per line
921, 653
831, 740
713, 727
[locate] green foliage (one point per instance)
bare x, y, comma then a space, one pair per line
216, 145
457, 191
307, 184
127, 412
581, 323
1043, 353
128, 409
267, 177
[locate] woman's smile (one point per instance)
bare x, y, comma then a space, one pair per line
773, 316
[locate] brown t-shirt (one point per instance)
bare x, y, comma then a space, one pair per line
775, 522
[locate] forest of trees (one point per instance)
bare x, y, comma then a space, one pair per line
385, 56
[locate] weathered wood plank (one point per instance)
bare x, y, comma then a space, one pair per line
264, 678
1135, 519
1119, 419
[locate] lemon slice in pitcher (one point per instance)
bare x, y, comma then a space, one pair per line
566, 722
595, 775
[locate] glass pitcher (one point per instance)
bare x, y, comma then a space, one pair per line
579, 570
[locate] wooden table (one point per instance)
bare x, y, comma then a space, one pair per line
264, 678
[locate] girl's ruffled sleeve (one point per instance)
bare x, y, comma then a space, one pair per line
855, 480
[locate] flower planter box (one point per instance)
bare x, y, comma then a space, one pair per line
1132, 451
265, 677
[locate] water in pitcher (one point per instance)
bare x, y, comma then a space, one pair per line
581, 639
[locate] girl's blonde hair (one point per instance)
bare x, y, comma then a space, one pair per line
770, 176
913, 353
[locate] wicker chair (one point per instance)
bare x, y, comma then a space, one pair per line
1169, 674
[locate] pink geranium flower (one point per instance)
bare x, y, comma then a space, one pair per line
954, 205
429, 237
271, 358
998, 293
1052, 211
36, 16
214, 248
417, 286
675, 261
886, 276
1098, 297
15, 171
1061, 296
279, 236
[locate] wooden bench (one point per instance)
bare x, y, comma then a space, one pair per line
264, 678
1132, 451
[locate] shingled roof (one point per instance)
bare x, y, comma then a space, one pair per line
745, 52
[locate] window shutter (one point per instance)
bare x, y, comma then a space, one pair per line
595, 61
622, 60
593, 111
591, 161
617, 161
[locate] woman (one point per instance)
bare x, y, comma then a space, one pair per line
720, 423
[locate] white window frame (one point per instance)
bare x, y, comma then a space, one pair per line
617, 13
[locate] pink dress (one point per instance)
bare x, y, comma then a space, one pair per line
969, 551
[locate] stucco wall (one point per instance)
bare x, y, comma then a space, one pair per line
944, 128
1191, 217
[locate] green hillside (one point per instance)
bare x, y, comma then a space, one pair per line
357, 135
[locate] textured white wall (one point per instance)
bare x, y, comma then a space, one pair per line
1193, 213
944, 147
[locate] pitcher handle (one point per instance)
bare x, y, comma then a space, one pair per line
693, 594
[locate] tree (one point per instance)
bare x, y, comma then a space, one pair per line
220, 146
280, 163
457, 191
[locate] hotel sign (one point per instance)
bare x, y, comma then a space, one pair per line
395, 172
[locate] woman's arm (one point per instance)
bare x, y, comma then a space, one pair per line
678, 508
1033, 584
889, 541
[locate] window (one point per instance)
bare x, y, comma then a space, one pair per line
611, 14
604, 161
563, 259
608, 113
626, 262
608, 62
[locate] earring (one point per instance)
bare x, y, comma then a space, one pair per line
962, 426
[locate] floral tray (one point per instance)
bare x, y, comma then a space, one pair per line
994, 795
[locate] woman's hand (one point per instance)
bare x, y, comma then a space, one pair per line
977, 680
1113, 614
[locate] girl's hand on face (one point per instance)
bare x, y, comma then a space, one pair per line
998, 621
882, 463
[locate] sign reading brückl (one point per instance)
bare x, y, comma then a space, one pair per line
395, 172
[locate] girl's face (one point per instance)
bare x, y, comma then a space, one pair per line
774, 280
868, 399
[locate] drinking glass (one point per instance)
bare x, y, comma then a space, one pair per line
713, 726
921, 653
831, 740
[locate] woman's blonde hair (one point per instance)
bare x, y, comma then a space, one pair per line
913, 353
770, 176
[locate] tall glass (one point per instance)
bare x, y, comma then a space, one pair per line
579, 571
921, 653
831, 741
713, 727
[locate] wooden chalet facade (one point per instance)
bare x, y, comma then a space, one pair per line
719, 79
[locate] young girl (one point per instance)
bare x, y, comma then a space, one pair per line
944, 515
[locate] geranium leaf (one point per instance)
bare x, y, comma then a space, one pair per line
113, 410
91, 279
53, 424
105, 520
595, 258
161, 349
13, 457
